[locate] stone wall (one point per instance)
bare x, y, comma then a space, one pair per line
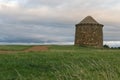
89, 35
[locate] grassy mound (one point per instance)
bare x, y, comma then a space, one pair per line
13, 47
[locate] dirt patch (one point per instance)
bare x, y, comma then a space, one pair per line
37, 48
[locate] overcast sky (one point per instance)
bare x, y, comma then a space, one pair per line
54, 20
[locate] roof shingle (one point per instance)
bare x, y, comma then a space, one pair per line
88, 20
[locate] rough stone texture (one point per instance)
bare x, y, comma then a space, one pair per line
89, 33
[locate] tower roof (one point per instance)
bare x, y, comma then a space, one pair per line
89, 20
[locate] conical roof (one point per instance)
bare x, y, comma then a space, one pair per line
88, 20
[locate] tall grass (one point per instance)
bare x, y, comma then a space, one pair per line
61, 63
91, 70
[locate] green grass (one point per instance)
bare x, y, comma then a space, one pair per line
13, 47
61, 63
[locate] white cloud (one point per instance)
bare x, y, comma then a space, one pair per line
55, 19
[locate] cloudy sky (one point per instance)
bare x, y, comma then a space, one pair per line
34, 21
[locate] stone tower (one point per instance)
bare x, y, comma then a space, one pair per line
89, 33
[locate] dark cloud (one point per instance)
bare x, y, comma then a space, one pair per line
54, 20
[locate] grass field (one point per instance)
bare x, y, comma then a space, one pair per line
60, 63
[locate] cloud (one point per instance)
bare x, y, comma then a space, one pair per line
112, 43
54, 20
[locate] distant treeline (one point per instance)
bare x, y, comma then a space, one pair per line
107, 46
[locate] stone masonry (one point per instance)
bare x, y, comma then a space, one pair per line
89, 33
